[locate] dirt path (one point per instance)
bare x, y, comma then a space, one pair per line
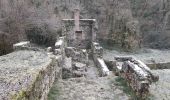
91, 87
92, 71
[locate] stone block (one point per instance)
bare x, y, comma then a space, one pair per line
21, 45
104, 71
60, 43
57, 52
97, 49
79, 66
49, 49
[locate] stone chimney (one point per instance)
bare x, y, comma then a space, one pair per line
77, 19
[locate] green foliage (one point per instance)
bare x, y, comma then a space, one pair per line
19, 96
128, 90
121, 82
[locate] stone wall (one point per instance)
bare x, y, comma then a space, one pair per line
88, 28
97, 52
76, 62
28, 75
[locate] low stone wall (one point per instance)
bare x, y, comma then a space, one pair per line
22, 45
160, 65
155, 65
97, 51
28, 75
104, 71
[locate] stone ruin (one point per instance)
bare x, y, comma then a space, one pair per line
76, 62
137, 74
79, 33
67, 59
28, 77
28, 73
78, 43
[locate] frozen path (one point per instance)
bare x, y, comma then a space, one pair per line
90, 87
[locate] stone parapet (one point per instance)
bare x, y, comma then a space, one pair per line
27, 75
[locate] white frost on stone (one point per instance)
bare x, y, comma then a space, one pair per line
143, 65
23, 43
119, 65
138, 69
84, 50
95, 44
49, 49
104, 67
58, 43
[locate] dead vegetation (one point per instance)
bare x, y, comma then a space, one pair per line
26, 19
145, 22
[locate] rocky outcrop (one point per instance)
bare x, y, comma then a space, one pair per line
27, 75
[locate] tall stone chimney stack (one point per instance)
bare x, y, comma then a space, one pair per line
77, 19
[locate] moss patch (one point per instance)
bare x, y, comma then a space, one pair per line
20, 96
122, 83
54, 92
128, 90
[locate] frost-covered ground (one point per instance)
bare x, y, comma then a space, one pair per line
102, 88
161, 89
145, 55
93, 87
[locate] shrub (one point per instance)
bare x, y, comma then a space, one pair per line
41, 35
5, 44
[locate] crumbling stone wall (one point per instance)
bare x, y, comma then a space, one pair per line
28, 75
97, 52
76, 62
88, 28
73, 61
113, 17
